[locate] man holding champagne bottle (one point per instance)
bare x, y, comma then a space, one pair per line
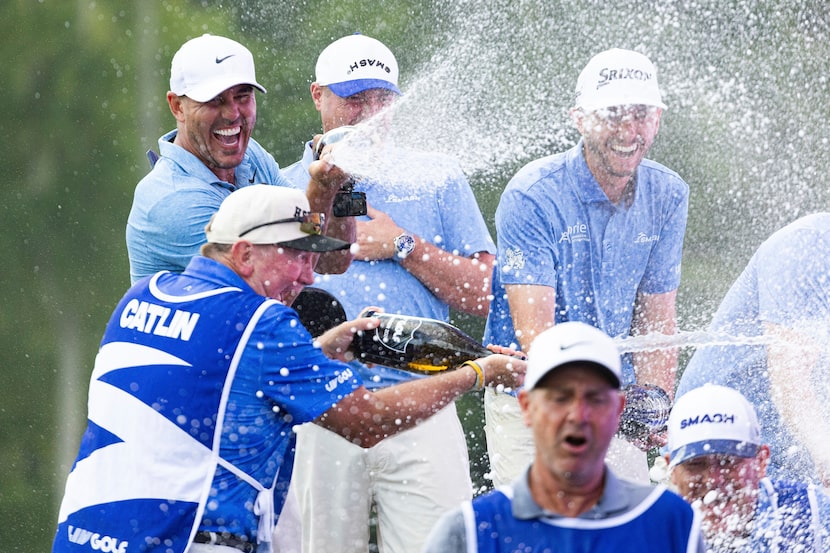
202, 375
423, 248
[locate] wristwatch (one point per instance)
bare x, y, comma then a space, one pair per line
404, 245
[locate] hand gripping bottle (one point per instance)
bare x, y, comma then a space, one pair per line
646, 412
415, 344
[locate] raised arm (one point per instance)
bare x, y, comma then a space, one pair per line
326, 180
461, 282
365, 418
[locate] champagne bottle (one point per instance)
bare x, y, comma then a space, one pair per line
646, 412
415, 344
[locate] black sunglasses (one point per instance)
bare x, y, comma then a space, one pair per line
310, 223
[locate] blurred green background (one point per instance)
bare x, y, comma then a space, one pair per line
83, 98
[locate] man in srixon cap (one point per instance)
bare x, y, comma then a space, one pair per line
593, 234
422, 249
202, 375
568, 500
209, 155
718, 462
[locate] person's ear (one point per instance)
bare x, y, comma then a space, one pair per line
578, 117
242, 256
176, 106
317, 95
524, 403
763, 457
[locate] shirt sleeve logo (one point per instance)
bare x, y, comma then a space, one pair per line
514, 259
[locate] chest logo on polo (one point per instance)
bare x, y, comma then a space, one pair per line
575, 233
643, 238
394, 198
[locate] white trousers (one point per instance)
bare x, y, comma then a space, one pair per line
412, 478
510, 443
207, 548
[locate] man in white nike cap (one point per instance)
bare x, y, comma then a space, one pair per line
208, 156
568, 499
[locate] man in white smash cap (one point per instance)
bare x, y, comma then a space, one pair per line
209, 155
200, 378
569, 500
593, 234
423, 248
718, 461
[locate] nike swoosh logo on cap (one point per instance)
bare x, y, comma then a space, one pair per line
563, 347
220, 60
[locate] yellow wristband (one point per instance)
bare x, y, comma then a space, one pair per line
479, 383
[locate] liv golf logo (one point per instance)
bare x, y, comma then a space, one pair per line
105, 544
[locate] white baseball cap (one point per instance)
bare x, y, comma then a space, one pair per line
206, 66
710, 420
268, 214
618, 77
356, 63
572, 342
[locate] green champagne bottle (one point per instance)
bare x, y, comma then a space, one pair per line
415, 344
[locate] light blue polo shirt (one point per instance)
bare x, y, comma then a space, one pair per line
428, 195
557, 228
175, 201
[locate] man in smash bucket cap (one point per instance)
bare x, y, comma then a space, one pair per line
356, 63
424, 232
718, 461
209, 155
568, 496
593, 234
201, 377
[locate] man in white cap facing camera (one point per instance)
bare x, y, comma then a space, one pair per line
568, 500
209, 155
422, 248
593, 234
202, 375
718, 462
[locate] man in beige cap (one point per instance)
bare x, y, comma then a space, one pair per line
209, 155
568, 499
201, 377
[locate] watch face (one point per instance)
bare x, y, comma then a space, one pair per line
404, 244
